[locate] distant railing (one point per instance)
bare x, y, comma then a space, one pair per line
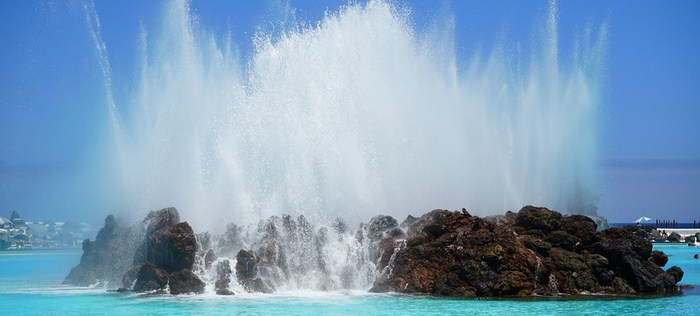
660, 223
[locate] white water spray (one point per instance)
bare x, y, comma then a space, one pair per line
355, 116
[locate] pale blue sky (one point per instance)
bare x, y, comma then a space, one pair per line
49, 75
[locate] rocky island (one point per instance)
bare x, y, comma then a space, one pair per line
535, 251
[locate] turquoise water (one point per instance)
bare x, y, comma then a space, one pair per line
30, 285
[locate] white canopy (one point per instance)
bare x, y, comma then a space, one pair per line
643, 219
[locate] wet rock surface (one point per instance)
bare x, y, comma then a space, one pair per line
150, 278
168, 252
289, 252
247, 271
223, 272
185, 281
160, 219
172, 248
537, 251
156, 255
105, 260
380, 226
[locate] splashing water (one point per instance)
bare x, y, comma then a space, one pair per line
356, 116
297, 255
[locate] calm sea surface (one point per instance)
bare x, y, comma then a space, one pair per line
30, 285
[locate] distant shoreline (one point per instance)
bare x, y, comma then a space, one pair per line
679, 225
41, 249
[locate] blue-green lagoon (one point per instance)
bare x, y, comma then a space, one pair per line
30, 284
357, 110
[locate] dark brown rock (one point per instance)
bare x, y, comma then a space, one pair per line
433, 216
384, 251
536, 251
224, 292
448, 253
562, 239
536, 244
151, 278
172, 248
581, 227
539, 218
513, 283
169, 251
185, 281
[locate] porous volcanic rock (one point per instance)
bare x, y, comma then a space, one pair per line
172, 248
537, 251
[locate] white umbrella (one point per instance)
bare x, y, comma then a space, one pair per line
643, 219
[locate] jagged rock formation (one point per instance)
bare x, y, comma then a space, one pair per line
166, 258
533, 252
536, 251
158, 258
106, 259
